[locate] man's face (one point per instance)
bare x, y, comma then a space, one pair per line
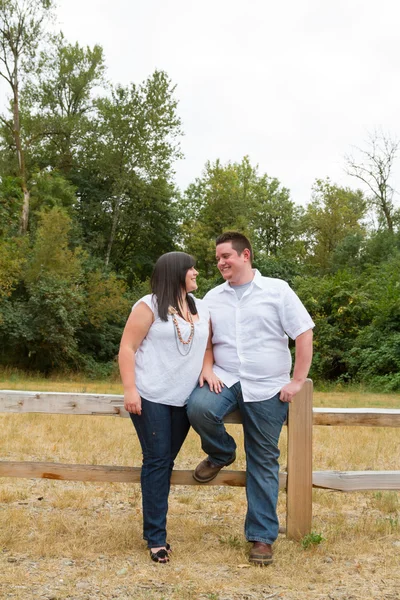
231, 265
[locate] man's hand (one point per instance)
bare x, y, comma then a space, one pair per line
133, 402
214, 382
301, 366
290, 390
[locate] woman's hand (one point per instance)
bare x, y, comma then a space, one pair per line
133, 402
214, 382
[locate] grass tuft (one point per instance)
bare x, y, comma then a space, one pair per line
312, 539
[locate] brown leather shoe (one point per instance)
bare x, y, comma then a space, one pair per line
206, 470
261, 554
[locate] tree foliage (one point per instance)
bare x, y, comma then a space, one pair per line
58, 104
21, 30
90, 166
333, 221
374, 168
236, 197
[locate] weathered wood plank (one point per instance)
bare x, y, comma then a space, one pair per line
234, 417
365, 417
63, 403
299, 482
16, 401
357, 481
345, 481
111, 473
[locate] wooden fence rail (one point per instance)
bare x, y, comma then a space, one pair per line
298, 481
16, 401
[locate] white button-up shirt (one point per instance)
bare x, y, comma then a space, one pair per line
250, 335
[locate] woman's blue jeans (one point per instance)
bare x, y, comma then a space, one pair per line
262, 425
161, 430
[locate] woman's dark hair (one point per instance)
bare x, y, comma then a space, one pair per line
168, 282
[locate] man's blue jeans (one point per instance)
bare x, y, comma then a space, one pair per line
262, 425
161, 430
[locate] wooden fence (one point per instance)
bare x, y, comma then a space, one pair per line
298, 481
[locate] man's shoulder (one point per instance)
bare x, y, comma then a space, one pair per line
199, 302
272, 283
214, 292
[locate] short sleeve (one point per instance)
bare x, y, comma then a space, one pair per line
294, 315
150, 301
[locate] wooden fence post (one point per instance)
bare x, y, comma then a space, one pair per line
299, 464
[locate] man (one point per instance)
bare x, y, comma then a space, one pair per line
251, 317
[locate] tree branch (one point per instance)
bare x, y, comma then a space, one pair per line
7, 123
6, 78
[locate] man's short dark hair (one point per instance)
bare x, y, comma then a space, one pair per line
239, 242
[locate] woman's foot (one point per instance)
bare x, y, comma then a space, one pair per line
160, 554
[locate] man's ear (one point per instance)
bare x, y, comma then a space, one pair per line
246, 254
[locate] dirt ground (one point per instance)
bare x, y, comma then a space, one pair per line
95, 552
62, 540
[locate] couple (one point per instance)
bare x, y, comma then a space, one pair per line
234, 343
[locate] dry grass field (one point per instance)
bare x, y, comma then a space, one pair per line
82, 541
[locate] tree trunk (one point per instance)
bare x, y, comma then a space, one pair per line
387, 213
25, 210
113, 231
21, 157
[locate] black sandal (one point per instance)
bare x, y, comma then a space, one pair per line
161, 556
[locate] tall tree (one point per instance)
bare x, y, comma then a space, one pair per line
218, 200
133, 143
21, 30
333, 214
275, 220
60, 103
375, 169
235, 196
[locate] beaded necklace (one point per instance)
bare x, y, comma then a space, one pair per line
178, 335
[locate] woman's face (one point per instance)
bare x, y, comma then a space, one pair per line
190, 280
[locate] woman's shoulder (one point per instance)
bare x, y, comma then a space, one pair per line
150, 300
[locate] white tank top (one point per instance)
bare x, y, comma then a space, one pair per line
166, 371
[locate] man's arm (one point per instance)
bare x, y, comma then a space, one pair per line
207, 374
302, 364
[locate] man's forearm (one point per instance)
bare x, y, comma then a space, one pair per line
208, 360
301, 366
304, 352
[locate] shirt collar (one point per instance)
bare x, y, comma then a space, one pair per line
257, 280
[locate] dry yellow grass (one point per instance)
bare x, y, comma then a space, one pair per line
83, 540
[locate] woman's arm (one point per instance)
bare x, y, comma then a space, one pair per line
136, 329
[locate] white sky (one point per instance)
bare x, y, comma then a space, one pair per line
294, 84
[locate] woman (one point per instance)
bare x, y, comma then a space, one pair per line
160, 359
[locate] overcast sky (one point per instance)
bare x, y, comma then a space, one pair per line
293, 84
